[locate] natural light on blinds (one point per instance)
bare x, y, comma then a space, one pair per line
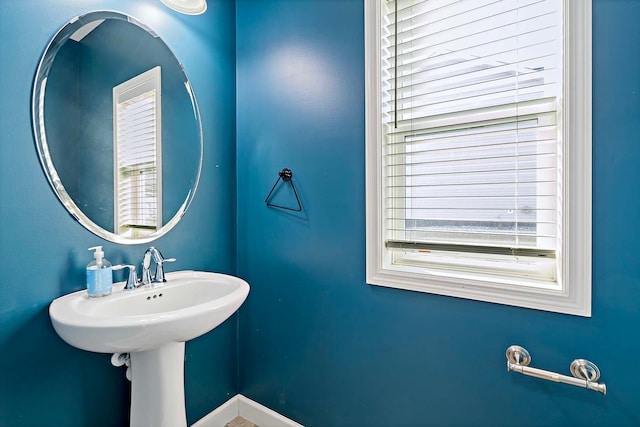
470, 112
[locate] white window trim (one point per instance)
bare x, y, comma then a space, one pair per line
573, 295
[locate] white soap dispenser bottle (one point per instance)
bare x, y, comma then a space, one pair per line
99, 274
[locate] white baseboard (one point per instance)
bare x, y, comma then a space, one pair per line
244, 407
221, 415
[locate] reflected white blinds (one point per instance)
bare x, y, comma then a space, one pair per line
472, 92
137, 155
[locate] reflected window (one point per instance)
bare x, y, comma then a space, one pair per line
137, 154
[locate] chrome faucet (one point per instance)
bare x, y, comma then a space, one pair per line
146, 279
155, 255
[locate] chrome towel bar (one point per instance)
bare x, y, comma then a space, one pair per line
585, 373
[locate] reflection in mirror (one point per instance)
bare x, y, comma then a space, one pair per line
137, 119
117, 127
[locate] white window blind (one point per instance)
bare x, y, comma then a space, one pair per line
479, 150
472, 91
137, 155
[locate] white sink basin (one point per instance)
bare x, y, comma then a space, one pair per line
190, 304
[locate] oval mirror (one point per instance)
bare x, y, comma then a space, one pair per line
117, 127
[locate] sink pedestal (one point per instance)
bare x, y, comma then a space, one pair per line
157, 387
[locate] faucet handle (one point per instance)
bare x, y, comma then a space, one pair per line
159, 277
132, 279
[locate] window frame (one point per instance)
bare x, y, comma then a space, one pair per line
572, 291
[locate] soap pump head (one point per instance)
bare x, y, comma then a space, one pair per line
98, 254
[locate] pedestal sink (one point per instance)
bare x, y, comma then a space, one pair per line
151, 324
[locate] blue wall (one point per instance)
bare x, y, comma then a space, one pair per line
320, 345
316, 343
62, 109
43, 381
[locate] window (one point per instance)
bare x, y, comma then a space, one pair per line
137, 155
479, 150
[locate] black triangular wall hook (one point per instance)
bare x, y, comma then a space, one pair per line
286, 176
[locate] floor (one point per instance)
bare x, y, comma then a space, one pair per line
240, 422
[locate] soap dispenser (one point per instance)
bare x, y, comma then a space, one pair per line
99, 274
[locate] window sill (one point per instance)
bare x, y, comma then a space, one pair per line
531, 294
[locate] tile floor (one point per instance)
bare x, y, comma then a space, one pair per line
240, 422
